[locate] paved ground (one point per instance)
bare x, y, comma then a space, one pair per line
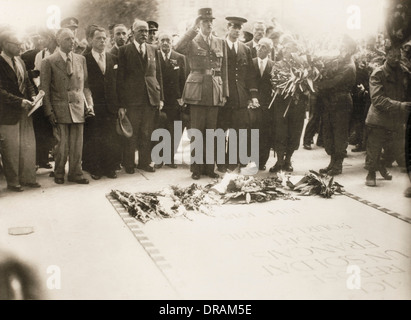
242, 252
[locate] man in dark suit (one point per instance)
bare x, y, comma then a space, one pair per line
100, 136
173, 70
140, 92
64, 81
258, 33
206, 87
119, 37
262, 118
18, 145
242, 87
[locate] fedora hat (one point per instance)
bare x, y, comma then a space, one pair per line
206, 13
124, 127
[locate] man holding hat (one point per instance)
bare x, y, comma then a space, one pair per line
206, 87
242, 85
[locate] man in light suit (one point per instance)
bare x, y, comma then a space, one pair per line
140, 93
18, 145
64, 81
206, 88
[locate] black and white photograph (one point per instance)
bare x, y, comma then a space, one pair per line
204, 151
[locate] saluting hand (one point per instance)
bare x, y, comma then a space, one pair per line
197, 23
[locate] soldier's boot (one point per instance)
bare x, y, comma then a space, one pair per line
279, 164
370, 179
287, 162
337, 167
330, 165
384, 173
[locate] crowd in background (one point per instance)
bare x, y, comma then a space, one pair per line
148, 78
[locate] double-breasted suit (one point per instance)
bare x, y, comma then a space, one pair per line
18, 145
65, 97
140, 90
206, 87
101, 143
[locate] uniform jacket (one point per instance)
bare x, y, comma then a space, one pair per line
174, 77
10, 95
139, 80
200, 88
387, 89
103, 86
64, 95
114, 51
264, 83
242, 77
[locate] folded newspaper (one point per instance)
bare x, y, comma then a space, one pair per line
37, 103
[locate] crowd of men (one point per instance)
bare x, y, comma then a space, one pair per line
148, 80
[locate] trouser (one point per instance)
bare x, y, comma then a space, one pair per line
69, 145
101, 147
288, 124
262, 119
395, 151
314, 121
142, 120
202, 118
18, 151
336, 118
379, 139
44, 136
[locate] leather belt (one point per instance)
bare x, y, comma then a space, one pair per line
210, 72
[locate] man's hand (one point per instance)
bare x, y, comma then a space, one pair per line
255, 102
52, 119
26, 104
196, 24
406, 106
121, 113
224, 100
160, 107
180, 102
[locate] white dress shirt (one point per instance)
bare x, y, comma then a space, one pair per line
231, 44
140, 48
166, 56
102, 63
264, 62
64, 55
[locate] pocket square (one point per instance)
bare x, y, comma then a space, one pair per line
115, 66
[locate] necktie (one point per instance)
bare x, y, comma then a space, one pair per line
20, 79
101, 63
142, 50
69, 66
261, 67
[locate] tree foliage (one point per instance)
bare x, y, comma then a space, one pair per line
107, 12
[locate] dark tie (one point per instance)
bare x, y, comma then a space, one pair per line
69, 66
20, 79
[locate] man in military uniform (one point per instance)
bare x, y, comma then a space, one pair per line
242, 85
152, 32
336, 94
72, 24
206, 87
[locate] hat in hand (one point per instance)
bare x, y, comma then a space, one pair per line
124, 127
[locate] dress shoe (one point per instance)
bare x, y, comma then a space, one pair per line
15, 188
95, 176
130, 170
59, 180
407, 192
79, 181
111, 175
33, 185
277, 167
307, 146
195, 176
262, 168
370, 179
288, 167
213, 175
45, 166
172, 165
334, 171
385, 174
146, 168
358, 148
158, 166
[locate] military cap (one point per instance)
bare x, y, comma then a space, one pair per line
152, 26
206, 13
69, 22
236, 20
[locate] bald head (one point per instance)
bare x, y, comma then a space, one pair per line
165, 40
65, 40
140, 31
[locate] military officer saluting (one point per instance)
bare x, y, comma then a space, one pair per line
206, 87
